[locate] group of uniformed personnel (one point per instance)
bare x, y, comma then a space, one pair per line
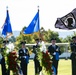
24, 55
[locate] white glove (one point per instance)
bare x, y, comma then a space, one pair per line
57, 49
54, 53
24, 57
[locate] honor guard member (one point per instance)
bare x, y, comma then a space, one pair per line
54, 50
24, 57
73, 55
3, 64
38, 68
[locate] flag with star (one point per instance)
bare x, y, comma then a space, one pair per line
33, 26
7, 29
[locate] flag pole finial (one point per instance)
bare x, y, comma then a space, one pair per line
7, 7
38, 7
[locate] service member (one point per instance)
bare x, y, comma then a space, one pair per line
3, 63
73, 55
24, 57
54, 50
38, 68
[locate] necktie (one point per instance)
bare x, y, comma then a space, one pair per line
24, 50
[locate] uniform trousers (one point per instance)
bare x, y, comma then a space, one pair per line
23, 65
3, 67
38, 68
55, 64
73, 66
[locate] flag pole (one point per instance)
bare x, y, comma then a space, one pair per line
10, 33
6, 7
6, 35
38, 22
40, 33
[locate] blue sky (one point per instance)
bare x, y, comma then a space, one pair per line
61, 34
65, 33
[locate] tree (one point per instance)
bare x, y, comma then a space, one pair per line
1, 40
46, 35
69, 37
12, 39
50, 34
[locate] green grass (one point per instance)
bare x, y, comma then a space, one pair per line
64, 67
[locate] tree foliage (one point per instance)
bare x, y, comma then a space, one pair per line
45, 35
68, 38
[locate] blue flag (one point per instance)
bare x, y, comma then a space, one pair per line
7, 25
57, 56
33, 26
